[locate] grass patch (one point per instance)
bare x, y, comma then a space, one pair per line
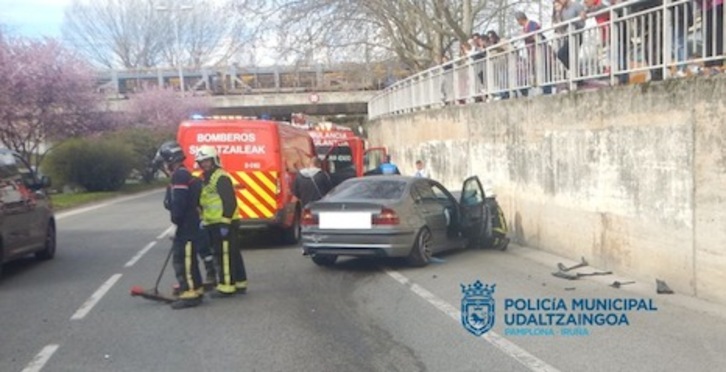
71, 200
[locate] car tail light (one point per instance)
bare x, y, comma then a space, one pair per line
308, 218
387, 216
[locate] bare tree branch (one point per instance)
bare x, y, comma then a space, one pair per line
415, 32
147, 33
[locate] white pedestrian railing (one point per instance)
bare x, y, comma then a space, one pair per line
635, 40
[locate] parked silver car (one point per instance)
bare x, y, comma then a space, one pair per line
27, 224
393, 216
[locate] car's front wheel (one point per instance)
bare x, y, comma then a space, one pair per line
421, 251
48, 251
324, 259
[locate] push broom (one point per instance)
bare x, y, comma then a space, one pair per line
153, 294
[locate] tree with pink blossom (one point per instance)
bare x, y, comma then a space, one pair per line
163, 109
48, 95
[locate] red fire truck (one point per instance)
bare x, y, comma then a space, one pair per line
344, 154
262, 157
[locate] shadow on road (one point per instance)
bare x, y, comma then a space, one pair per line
19, 267
252, 240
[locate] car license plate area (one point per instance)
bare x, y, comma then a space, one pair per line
345, 220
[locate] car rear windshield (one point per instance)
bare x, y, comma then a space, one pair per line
368, 189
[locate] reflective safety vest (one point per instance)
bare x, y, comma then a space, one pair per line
211, 201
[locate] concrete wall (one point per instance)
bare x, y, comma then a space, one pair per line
633, 178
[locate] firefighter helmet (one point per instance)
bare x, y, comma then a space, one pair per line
170, 152
207, 152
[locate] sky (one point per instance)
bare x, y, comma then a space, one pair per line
38, 18
33, 18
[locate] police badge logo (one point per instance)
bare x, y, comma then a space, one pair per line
477, 307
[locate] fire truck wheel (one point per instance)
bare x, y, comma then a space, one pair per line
291, 235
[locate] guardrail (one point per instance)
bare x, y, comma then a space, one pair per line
636, 41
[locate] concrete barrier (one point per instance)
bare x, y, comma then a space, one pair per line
632, 178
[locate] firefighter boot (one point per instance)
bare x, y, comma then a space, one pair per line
187, 299
223, 291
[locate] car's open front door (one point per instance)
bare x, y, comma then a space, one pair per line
373, 158
473, 208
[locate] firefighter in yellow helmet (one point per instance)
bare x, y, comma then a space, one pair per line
220, 218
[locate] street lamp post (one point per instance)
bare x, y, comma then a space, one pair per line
177, 9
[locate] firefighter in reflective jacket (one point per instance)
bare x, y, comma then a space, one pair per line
220, 218
182, 203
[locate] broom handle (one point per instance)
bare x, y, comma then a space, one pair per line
166, 262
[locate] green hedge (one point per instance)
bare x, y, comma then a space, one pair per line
144, 143
93, 164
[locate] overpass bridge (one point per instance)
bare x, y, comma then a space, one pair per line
282, 104
275, 90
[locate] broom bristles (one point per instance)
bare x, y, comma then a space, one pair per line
149, 295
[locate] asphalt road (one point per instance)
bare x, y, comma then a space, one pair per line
74, 313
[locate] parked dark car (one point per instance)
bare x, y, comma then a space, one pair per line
394, 216
27, 223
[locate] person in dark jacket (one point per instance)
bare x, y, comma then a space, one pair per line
182, 204
202, 242
311, 183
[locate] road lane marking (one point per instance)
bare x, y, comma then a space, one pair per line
138, 255
95, 297
166, 233
511, 349
93, 207
43, 356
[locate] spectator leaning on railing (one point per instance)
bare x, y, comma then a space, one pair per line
480, 44
567, 10
503, 62
532, 42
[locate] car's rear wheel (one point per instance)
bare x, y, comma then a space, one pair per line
421, 251
324, 259
48, 251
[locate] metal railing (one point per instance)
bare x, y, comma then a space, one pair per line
633, 41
